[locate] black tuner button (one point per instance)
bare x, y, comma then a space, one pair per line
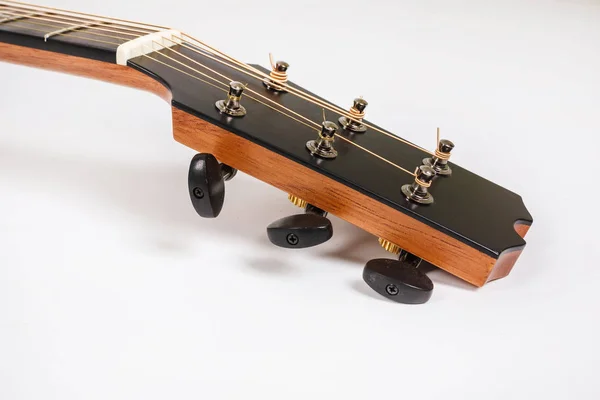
206, 184
302, 230
399, 281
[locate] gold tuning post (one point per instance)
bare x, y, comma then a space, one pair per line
389, 246
297, 201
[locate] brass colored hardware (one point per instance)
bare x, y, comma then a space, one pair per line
231, 106
323, 146
297, 201
389, 246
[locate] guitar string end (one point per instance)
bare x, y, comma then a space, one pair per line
278, 76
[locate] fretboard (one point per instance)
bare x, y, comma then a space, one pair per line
71, 33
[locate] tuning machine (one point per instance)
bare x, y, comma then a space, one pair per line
439, 161
418, 191
302, 230
206, 184
323, 146
399, 280
357, 112
278, 76
231, 105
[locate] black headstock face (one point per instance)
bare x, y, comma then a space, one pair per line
240, 116
466, 206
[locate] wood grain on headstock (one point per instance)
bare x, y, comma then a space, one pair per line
416, 237
431, 244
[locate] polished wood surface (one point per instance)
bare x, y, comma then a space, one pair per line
420, 239
467, 207
444, 251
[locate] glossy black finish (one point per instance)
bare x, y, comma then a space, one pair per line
399, 281
206, 185
467, 207
302, 230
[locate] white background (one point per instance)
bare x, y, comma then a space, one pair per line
111, 287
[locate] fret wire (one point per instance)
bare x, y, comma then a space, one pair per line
70, 35
57, 19
33, 7
67, 30
70, 29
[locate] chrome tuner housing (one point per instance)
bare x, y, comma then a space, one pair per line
231, 106
323, 146
439, 162
358, 112
418, 191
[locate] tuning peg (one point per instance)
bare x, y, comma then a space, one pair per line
206, 184
302, 230
399, 280
357, 111
439, 162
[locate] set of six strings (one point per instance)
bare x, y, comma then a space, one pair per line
40, 16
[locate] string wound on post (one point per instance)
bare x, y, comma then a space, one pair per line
278, 77
354, 123
439, 160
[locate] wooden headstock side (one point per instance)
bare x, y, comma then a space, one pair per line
474, 229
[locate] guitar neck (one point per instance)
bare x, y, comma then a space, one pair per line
82, 35
469, 230
77, 44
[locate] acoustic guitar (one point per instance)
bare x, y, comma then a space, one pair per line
328, 159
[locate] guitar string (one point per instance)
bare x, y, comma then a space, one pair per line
34, 7
226, 77
251, 68
256, 93
70, 34
68, 21
303, 95
266, 98
299, 115
295, 91
224, 90
287, 109
78, 31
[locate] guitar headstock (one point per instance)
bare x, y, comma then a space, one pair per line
327, 158
332, 160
